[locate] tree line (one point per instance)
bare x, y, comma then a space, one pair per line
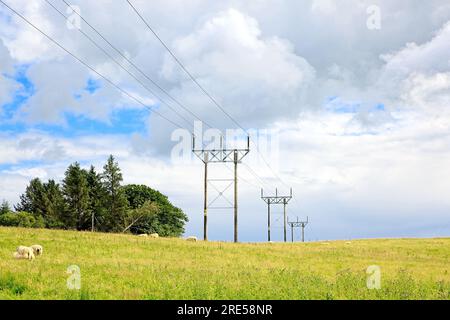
88, 200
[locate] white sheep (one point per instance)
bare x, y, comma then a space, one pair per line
18, 255
38, 250
21, 249
143, 235
24, 253
154, 235
191, 238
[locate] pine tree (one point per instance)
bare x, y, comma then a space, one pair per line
32, 200
116, 199
97, 203
55, 207
4, 207
76, 194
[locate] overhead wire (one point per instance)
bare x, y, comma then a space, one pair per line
202, 88
139, 69
123, 91
118, 63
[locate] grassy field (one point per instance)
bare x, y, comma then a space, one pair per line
130, 267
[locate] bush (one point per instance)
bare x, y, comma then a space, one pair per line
21, 219
8, 219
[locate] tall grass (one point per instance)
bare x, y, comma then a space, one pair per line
129, 267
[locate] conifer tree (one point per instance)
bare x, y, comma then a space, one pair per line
54, 205
97, 201
115, 196
76, 195
32, 201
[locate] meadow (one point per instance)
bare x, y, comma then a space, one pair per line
115, 266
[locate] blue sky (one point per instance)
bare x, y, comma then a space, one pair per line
121, 121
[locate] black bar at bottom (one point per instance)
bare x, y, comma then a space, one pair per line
223, 309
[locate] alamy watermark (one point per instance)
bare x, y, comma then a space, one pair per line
373, 277
74, 19
262, 143
374, 17
74, 280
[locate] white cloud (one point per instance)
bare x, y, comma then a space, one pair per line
229, 55
432, 56
24, 43
430, 94
7, 85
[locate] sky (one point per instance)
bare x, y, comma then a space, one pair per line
348, 103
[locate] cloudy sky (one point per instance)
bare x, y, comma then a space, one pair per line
354, 98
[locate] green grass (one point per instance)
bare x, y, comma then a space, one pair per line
130, 267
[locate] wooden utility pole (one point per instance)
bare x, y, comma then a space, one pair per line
284, 218
292, 233
205, 202
221, 155
235, 197
268, 222
303, 233
284, 200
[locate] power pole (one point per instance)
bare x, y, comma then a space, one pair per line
235, 197
284, 218
221, 155
284, 200
268, 222
205, 202
298, 224
304, 223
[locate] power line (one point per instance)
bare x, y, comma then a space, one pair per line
184, 68
119, 64
255, 175
137, 67
88, 66
200, 86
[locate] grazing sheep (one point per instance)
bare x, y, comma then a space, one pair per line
21, 249
24, 253
143, 235
154, 235
37, 249
191, 238
18, 255
348, 242
30, 255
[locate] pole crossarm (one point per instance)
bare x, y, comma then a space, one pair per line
276, 200
221, 154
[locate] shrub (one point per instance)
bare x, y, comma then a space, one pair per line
21, 219
8, 219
